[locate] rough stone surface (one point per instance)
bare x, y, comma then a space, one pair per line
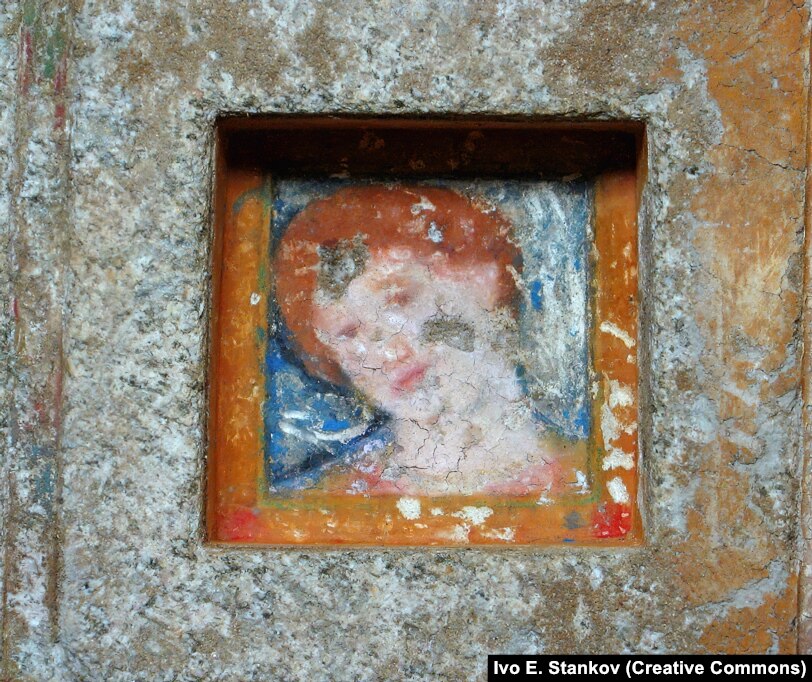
8, 59
106, 576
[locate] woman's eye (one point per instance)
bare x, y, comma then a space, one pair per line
348, 332
399, 297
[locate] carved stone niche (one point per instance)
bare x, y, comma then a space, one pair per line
424, 332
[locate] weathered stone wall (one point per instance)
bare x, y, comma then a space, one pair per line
108, 198
8, 56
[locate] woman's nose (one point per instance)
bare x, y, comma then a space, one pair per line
397, 351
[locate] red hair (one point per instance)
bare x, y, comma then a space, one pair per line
426, 220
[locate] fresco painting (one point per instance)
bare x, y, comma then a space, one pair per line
431, 362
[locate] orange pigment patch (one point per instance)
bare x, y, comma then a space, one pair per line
767, 628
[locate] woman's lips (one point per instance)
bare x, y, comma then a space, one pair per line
407, 379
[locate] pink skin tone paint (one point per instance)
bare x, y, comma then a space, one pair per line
429, 344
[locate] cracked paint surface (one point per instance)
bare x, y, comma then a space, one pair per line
424, 333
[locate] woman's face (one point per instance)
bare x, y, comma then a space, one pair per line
412, 334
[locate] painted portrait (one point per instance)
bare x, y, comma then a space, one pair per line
406, 327
438, 362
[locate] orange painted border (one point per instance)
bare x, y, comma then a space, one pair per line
239, 509
615, 344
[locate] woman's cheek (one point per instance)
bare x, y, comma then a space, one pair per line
358, 356
351, 355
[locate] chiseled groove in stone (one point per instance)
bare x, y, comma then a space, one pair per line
8, 69
37, 257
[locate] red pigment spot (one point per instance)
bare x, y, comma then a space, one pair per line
59, 86
238, 525
59, 116
26, 59
611, 520
41, 410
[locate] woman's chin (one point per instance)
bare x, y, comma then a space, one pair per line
416, 408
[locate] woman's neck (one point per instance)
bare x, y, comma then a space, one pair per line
483, 434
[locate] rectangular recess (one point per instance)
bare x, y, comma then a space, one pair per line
257, 156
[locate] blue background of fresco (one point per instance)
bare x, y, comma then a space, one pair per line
307, 421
